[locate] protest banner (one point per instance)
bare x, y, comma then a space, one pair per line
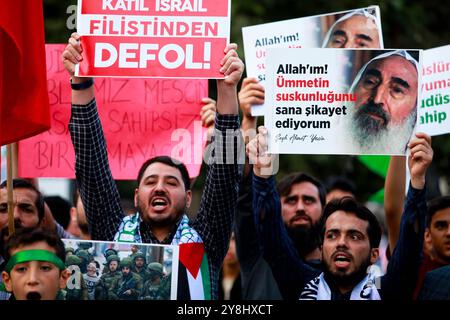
141, 118
153, 38
341, 101
325, 30
101, 279
434, 109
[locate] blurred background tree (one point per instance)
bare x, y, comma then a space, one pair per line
405, 23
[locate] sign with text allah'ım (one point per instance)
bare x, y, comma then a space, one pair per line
434, 109
153, 38
357, 28
341, 101
141, 118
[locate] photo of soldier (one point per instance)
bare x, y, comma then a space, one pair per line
118, 271
139, 265
155, 288
108, 277
134, 250
108, 252
129, 285
85, 259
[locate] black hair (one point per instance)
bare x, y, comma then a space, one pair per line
350, 205
435, 205
27, 236
60, 209
340, 183
24, 184
170, 162
285, 184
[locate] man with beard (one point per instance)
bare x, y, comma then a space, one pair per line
350, 238
163, 193
129, 285
303, 201
109, 276
357, 29
139, 265
385, 111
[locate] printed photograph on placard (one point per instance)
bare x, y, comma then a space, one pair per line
342, 101
358, 28
120, 271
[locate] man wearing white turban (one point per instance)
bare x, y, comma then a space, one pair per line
384, 114
357, 29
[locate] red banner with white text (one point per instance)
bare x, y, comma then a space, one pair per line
153, 38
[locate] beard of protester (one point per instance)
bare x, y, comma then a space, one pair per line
179, 209
340, 279
306, 238
375, 135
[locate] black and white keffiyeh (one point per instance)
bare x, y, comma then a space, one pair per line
318, 289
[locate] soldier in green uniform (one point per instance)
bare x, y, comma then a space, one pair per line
155, 288
140, 266
134, 249
85, 259
108, 278
76, 286
108, 252
129, 285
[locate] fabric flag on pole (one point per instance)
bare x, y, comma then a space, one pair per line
24, 106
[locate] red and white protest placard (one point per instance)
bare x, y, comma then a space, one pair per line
153, 38
141, 118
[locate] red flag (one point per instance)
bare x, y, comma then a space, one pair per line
191, 256
24, 107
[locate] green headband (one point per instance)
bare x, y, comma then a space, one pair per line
34, 255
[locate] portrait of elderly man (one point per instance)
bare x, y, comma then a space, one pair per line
357, 29
384, 114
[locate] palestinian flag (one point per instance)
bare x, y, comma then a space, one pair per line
193, 273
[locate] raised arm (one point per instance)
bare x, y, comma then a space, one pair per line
251, 93
290, 272
218, 204
247, 245
394, 197
71, 56
98, 191
400, 278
